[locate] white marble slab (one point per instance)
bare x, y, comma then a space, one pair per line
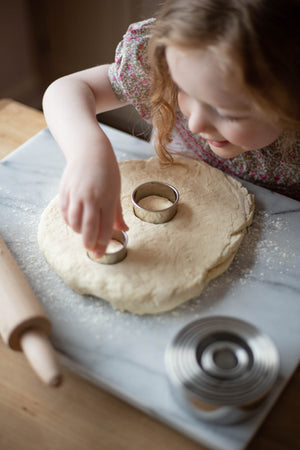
124, 353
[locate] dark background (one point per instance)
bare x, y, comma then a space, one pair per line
42, 40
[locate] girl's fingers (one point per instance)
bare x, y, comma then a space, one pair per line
90, 226
75, 211
119, 223
64, 206
105, 232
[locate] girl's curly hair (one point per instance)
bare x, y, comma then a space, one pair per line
260, 37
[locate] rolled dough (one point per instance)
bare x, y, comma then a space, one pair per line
166, 264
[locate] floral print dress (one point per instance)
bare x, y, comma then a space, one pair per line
130, 79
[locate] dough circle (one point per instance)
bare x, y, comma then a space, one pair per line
166, 264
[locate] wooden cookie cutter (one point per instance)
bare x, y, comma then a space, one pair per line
113, 257
155, 188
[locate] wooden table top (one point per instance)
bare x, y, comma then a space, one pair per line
81, 416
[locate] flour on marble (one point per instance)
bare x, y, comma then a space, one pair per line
259, 246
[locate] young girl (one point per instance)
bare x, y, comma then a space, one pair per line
218, 79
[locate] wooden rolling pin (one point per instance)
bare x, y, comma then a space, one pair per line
24, 324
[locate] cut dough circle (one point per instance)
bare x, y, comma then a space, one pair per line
155, 203
166, 264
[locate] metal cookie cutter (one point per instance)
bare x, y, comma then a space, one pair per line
221, 368
155, 188
116, 256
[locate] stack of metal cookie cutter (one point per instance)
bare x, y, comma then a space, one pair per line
160, 189
221, 369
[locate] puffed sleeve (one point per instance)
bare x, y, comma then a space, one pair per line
129, 75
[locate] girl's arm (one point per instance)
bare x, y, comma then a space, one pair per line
90, 185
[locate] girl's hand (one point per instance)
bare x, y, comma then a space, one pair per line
90, 197
90, 186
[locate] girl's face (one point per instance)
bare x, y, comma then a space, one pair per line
216, 105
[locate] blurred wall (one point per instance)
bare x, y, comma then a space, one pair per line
42, 40
19, 75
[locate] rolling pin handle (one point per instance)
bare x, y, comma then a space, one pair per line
41, 356
24, 324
